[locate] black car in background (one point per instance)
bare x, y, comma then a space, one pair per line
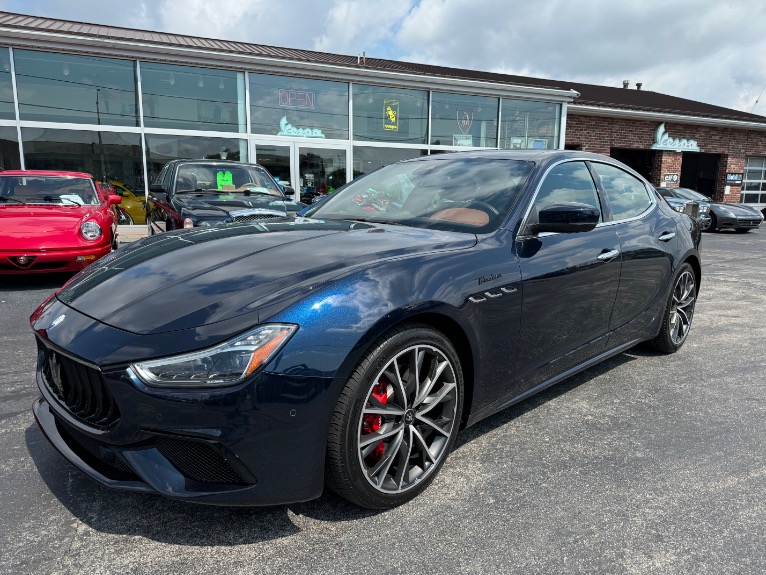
681, 203
205, 193
251, 363
723, 216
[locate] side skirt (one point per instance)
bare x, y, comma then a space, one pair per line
502, 403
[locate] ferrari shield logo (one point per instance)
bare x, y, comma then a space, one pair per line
391, 115
464, 119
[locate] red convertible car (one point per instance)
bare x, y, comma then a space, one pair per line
53, 221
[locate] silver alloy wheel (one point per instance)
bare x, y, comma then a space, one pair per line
682, 307
407, 419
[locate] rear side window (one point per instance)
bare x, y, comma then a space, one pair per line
627, 195
568, 182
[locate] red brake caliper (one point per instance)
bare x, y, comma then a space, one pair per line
372, 423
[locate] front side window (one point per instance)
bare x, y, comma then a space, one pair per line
465, 195
627, 195
564, 183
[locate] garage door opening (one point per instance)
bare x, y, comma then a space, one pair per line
700, 172
641, 161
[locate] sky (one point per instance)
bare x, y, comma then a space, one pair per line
711, 51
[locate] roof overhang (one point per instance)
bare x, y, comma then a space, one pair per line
99, 46
585, 110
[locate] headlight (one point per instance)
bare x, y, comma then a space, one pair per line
726, 212
225, 364
90, 231
677, 207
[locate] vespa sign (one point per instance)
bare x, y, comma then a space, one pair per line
663, 141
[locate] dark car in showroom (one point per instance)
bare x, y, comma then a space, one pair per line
205, 193
723, 216
255, 363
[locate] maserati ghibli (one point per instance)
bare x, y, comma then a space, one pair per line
256, 363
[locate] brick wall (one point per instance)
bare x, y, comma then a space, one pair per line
597, 134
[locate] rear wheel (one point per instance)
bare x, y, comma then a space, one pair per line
396, 419
677, 320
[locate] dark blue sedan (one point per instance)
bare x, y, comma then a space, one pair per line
251, 363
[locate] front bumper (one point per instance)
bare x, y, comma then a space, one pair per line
253, 444
739, 222
51, 261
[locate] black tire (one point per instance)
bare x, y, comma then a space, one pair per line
674, 330
404, 457
713, 223
115, 242
741, 230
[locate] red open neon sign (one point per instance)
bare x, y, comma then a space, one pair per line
296, 99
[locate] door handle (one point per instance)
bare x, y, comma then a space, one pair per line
608, 255
667, 236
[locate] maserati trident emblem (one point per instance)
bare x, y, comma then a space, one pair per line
23, 260
57, 321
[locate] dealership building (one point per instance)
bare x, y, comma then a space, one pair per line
120, 103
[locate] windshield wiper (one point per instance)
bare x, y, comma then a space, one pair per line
63, 199
6, 199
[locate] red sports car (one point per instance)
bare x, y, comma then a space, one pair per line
53, 221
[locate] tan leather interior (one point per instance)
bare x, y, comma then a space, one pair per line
467, 216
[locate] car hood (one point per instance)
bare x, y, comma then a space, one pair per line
221, 204
190, 278
737, 209
39, 227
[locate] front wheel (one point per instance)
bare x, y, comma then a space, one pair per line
677, 320
396, 419
713, 223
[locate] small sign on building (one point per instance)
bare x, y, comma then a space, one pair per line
670, 179
734, 178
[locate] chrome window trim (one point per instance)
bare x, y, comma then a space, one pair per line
525, 218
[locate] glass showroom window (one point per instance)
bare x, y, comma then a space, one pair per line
368, 159
115, 156
390, 114
161, 149
754, 182
529, 125
458, 120
7, 111
286, 106
9, 149
186, 98
75, 89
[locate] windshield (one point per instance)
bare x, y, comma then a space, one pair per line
226, 178
49, 190
691, 195
449, 193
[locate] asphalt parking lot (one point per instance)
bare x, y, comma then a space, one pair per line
644, 464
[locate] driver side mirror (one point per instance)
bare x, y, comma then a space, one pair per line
566, 218
113, 199
288, 191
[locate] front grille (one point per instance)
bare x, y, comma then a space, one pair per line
254, 217
199, 461
80, 388
748, 223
